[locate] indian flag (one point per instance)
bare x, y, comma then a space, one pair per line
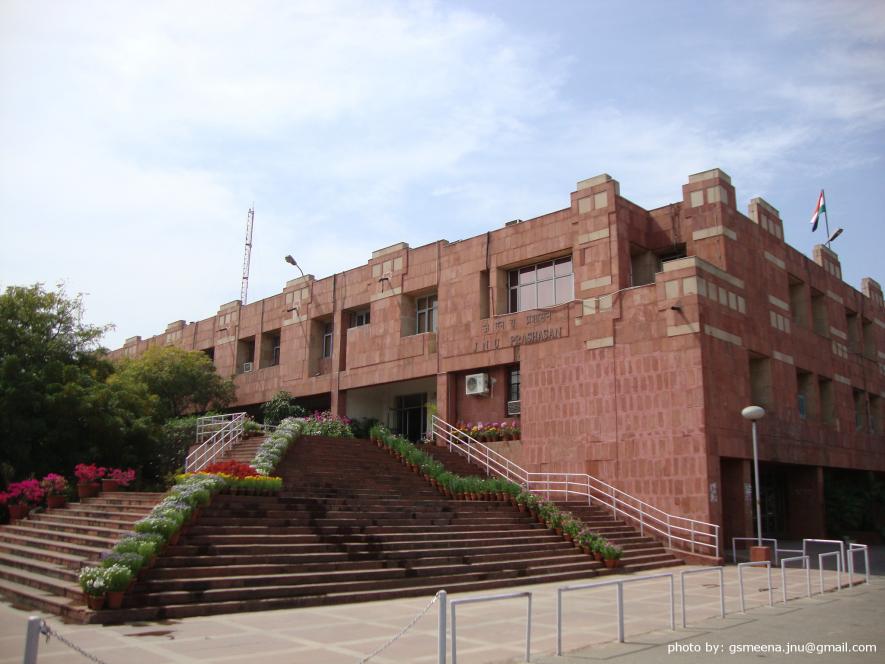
818, 211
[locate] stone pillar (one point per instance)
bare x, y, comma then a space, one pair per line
339, 402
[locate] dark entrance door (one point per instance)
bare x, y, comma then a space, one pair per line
411, 421
774, 481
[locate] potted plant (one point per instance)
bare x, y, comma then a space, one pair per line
94, 584
597, 547
117, 579
571, 527
116, 478
611, 553
56, 487
87, 479
20, 497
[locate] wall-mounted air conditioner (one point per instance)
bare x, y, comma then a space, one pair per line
512, 408
477, 384
247, 367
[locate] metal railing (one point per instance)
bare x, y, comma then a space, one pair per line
721, 572
619, 583
490, 598
215, 435
820, 567
805, 565
678, 531
761, 563
857, 548
735, 540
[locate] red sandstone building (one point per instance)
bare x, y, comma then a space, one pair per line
628, 340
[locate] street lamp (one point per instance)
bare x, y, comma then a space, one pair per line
754, 413
291, 261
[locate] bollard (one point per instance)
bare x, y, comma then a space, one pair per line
32, 640
441, 629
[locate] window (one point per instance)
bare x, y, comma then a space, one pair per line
327, 340
804, 383
875, 414
359, 318
852, 323
542, 285
760, 382
246, 355
425, 314
514, 384
860, 410
827, 404
798, 301
819, 313
270, 348
868, 333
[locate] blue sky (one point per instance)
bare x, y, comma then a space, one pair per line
135, 136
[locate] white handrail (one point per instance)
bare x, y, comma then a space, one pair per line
215, 435
679, 531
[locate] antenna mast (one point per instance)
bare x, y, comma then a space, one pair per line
250, 221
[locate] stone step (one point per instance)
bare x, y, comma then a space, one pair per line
46, 535
9, 541
80, 521
49, 584
38, 566
23, 595
36, 553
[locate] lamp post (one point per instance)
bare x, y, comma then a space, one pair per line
754, 413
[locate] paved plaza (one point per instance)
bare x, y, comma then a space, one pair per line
495, 632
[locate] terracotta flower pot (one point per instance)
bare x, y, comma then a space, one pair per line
115, 599
521, 508
55, 501
18, 511
95, 602
110, 486
86, 491
597, 555
611, 562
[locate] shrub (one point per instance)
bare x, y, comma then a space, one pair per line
326, 423
155, 524
120, 476
130, 560
93, 581
281, 406
88, 474
26, 492
117, 577
54, 484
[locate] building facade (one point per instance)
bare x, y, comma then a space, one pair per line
628, 341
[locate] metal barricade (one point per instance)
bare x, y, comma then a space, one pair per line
855, 548
490, 598
682, 576
840, 543
807, 568
761, 563
620, 603
820, 565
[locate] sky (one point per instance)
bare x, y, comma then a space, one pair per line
135, 136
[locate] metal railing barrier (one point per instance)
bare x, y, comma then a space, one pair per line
805, 566
214, 437
857, 548
441, 597
820, 565
721, 572
760, 563
490, 598
678, 531
840, 544
619, 599
735, 540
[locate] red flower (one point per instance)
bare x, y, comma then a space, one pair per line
88, 474
233, 468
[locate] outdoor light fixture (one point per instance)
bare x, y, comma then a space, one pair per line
836, 233
292, 261
754, 413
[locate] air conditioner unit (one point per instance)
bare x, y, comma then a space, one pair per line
477, 384
247, 367
512, 408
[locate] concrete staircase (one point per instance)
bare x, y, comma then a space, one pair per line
352, 524
640, 552
244, 449
40, 557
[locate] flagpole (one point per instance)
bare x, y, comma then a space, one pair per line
826, 217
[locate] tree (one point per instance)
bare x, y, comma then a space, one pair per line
56, 406
281, 406
183, 381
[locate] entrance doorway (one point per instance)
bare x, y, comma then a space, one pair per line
410, 413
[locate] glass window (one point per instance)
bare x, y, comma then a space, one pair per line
543, 285
514, 385
327, 340
425, 314
360, 318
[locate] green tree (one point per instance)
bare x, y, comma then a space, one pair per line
182, 381
281, 406
56, 405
